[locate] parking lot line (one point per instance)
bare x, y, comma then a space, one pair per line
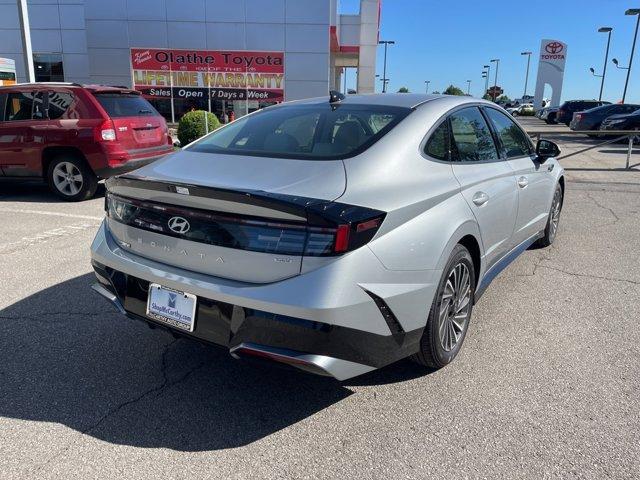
54, 214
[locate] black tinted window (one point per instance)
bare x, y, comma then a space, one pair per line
320, 131
471, 136
125, 105
513, 139
438, 144
3, 102
19, 106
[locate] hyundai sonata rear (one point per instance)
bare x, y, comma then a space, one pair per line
314, 233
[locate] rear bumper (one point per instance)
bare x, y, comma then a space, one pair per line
304, 321
128, 166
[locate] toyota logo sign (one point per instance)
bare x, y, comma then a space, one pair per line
554, 48
178, 225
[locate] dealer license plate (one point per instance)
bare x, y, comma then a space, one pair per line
175, 308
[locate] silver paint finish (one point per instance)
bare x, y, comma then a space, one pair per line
429, 207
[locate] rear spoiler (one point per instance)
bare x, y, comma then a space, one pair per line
318, 212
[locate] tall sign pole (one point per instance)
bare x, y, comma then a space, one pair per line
26, 40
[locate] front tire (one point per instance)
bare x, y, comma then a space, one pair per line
553, 221
450, 312
71, 179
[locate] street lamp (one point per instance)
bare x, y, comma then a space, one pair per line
636, 12
427, 82
468, 86
526, 78
495, 83
606, 58
486, 85
384, 70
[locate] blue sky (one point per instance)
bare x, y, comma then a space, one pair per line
449, 42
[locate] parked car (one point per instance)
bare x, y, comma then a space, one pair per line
592, 118
548, 114
336, 235
524, 109
627, 121
567, 109
71, 135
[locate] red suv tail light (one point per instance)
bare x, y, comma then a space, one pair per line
105, 132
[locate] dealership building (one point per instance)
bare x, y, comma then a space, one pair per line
226, 56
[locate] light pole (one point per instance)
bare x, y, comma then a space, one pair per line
468, 86
636, 12
486, 79
427, 82
495, 83
486, 85
384, 69
526, 77
606, 59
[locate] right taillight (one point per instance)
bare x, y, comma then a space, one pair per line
105, 132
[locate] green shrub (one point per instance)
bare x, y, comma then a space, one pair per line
192, 126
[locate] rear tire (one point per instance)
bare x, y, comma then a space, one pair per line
553, 221
450, 312
71, 179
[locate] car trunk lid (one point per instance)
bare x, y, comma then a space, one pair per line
246, 218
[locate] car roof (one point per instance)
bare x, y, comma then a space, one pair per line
91, 87
406, 100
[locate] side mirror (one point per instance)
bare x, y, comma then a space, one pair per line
546, 149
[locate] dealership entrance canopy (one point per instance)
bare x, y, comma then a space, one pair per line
228, 57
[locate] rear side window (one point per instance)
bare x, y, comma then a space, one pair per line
513, 139
3, 103
471, 136
438, 144
59, 103
310, 132
19, 106
125, 105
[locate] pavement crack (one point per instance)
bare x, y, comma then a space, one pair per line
603, 207
584, 275
157, 390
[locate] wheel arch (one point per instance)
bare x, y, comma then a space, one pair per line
51, 152
468, 235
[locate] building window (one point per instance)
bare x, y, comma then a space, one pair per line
48, 67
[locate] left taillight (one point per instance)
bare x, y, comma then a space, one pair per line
105, 132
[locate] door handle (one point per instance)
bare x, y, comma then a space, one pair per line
480, 198
523, 182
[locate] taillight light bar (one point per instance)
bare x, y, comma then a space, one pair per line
249, 233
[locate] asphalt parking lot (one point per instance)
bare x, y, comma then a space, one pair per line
546, 386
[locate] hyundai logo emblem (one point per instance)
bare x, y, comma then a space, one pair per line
178, 225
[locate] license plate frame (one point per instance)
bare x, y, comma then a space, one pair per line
162, 306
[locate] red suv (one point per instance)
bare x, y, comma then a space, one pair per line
72, 135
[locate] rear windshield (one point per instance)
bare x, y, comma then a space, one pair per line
310, 132
125, 105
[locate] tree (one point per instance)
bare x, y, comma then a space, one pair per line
451, 90
486, 96
503, 99
403, 90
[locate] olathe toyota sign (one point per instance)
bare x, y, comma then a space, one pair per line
218, 75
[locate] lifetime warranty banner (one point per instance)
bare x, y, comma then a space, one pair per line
224, 75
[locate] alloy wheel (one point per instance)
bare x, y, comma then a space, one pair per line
555, 215
454, 306
67, 178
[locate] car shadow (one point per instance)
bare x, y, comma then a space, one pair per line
67, 357
34, 192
